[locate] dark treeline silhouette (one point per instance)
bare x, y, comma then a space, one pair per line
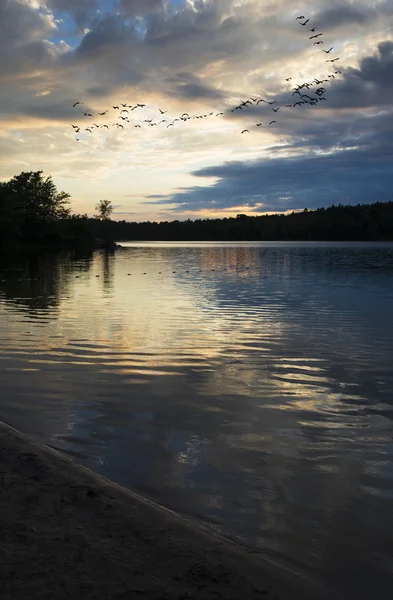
363, 222
34, 213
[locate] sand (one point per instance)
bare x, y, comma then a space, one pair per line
65, 532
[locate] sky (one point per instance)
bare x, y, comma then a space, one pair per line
191, 60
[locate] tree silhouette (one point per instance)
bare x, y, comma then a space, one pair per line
104, 209
34, 212
36, 198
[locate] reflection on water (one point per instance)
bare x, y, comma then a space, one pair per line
248, 386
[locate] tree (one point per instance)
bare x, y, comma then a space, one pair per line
104, 209
36, 198
31, 207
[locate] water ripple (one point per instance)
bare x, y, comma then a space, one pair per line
248, 386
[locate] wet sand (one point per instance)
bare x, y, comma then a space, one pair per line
66, 532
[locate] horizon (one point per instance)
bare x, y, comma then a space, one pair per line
196, 57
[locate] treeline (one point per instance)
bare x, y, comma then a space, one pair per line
33, 212
363, 222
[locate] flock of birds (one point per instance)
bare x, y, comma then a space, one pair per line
316, 93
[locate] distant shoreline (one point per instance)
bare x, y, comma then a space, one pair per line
67, 532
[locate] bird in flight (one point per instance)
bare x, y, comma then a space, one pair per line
315, 36
275, 109
116, 107
333, 60
261, 100
301, 17
87, 114
259, 124
105, 126
76, 103
245, 131
162, 111
319, 42
274, 101
219, 114
328, 51
305, 22
313, 29
288, 79
103, 113
271, 122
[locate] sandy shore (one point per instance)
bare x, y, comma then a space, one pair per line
68, 533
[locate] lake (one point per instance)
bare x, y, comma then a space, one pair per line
248, 386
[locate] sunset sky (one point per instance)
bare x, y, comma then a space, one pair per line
198, 57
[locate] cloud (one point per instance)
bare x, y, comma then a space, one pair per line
196, 57
368, 85
190, 87
23, 39
348, 177
141, 8
324, 162
82, 11
341, 13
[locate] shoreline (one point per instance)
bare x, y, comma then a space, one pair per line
68, 532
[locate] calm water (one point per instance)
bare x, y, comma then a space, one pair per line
249, 387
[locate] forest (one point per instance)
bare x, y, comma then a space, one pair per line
363, 222
34, 213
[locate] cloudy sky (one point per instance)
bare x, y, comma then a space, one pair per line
193, 58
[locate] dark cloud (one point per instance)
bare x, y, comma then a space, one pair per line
111, 32
343, 13
141, 8
20, 22
23, 43
283, 184
118, 212
369, 85
99, 91
188, 86
379, 68
81, 10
